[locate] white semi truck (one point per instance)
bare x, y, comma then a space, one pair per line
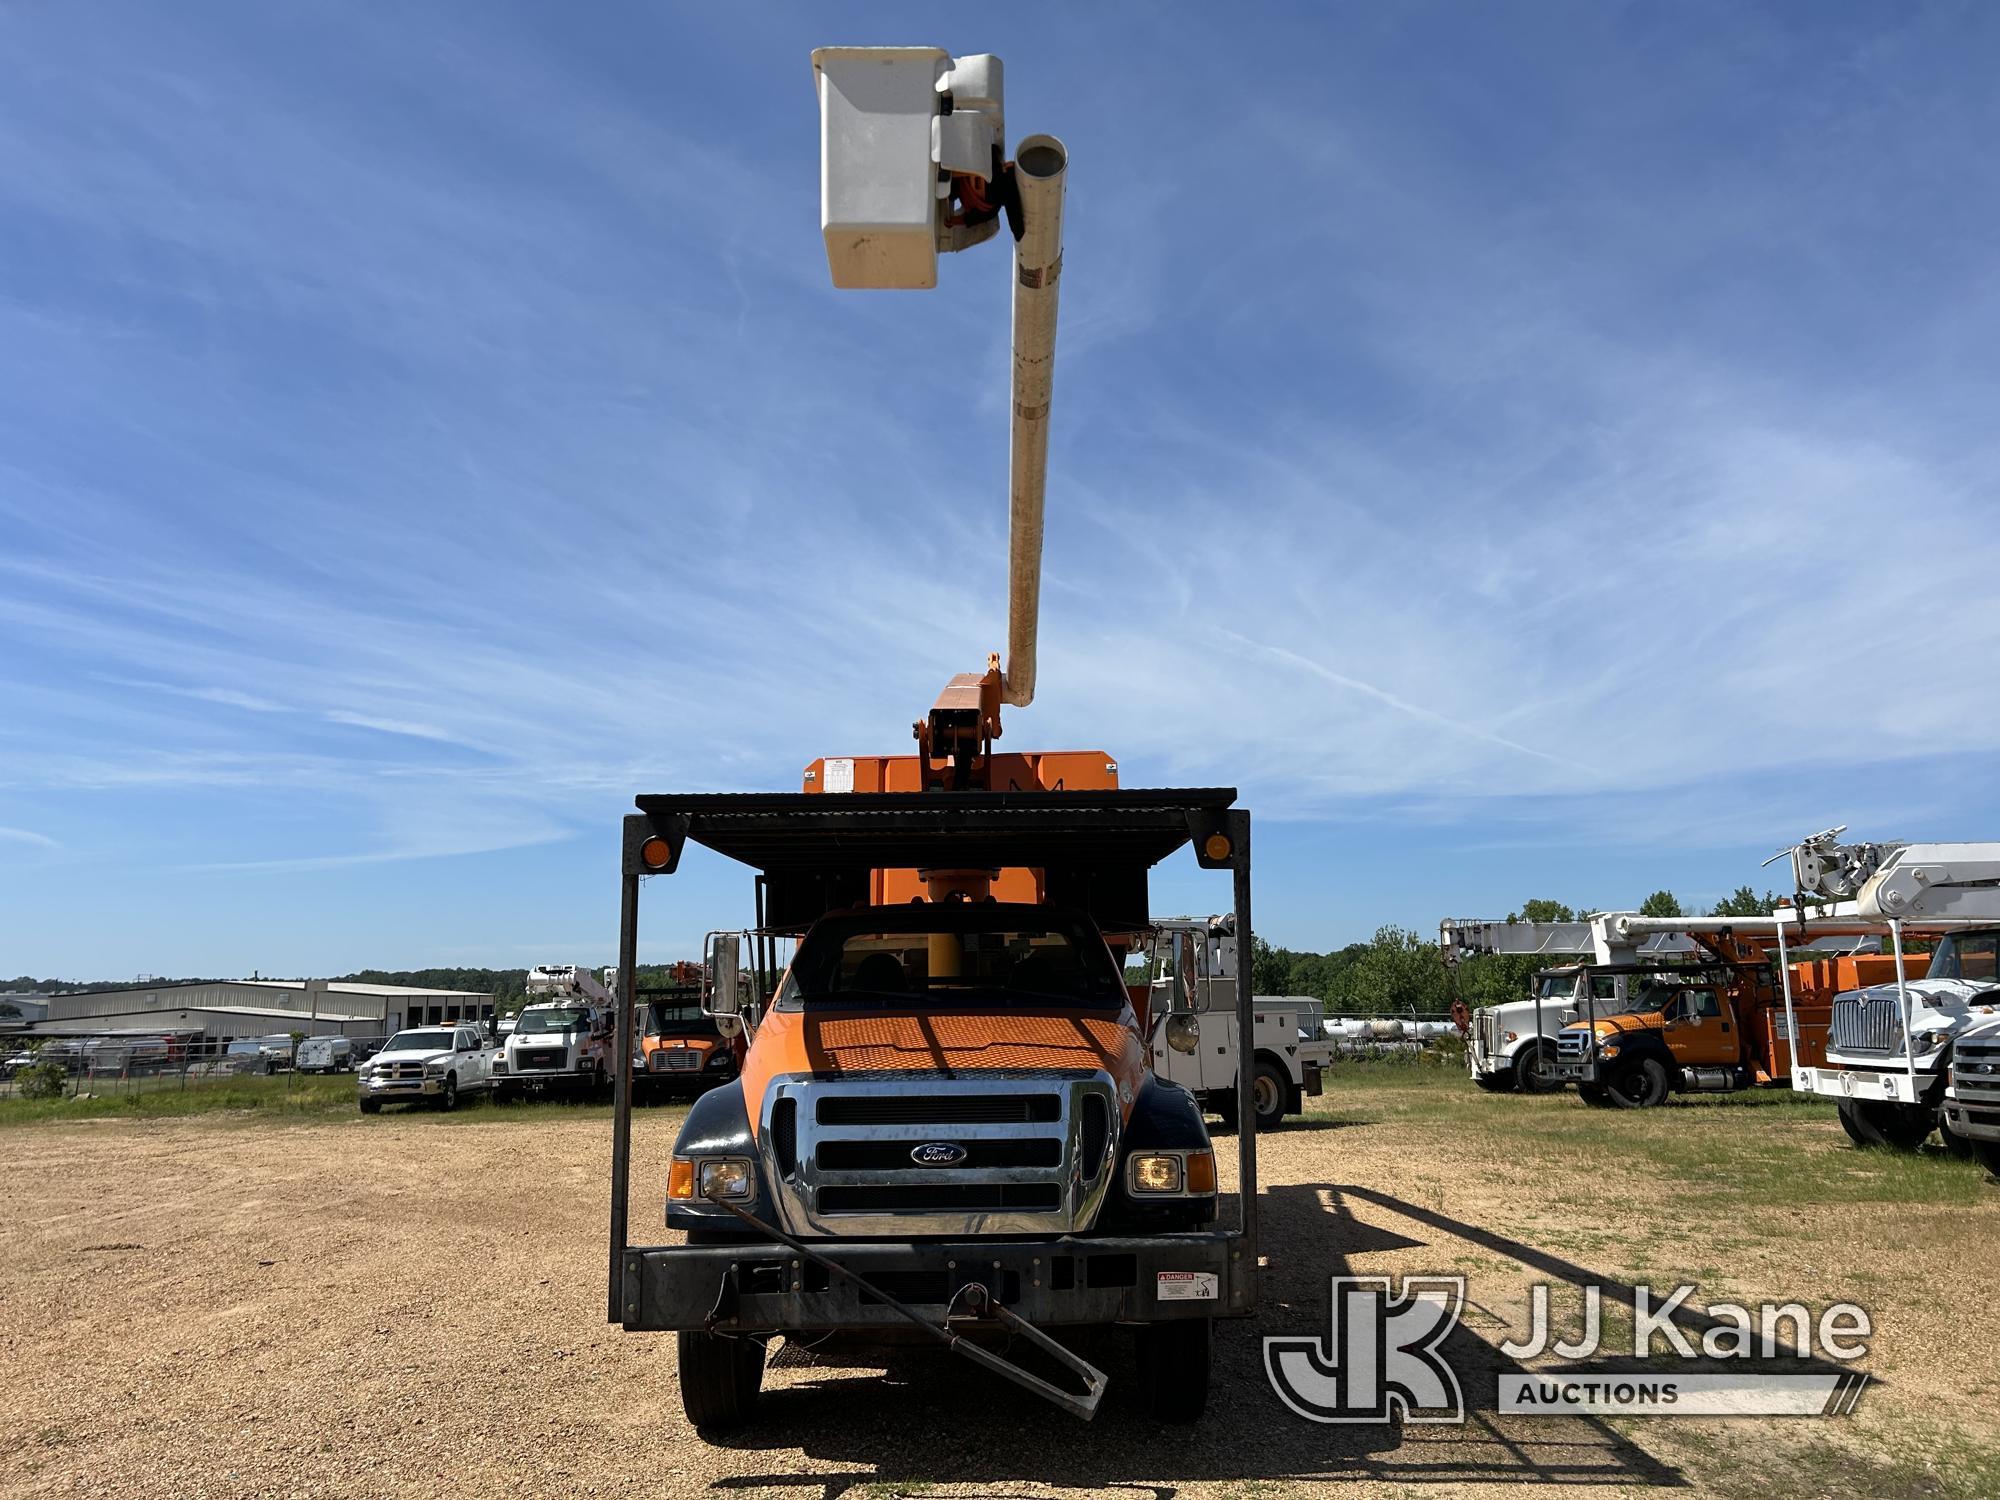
561, 1039
1289, 1052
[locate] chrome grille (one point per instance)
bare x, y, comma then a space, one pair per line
1489, 1032
1038, 1154
1866, 1022
1571, 1044
401, 1072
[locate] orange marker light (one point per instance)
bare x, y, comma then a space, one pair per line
655, 854
1217, 846
1201, 1172
680, 1178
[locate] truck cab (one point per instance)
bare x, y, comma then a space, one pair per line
1664, 1029
556, 1044
436, 1065
1889, 1078
1513, 1045
947, 1115
680, 1049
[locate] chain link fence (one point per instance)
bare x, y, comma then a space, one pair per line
115, 1066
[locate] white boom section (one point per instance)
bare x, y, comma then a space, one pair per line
568, 979
1922, 881
1468, 937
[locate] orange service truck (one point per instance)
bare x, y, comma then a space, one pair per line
946, 1124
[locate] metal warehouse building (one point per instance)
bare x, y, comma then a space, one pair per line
234, 1008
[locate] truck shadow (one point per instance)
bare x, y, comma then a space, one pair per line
932, 1417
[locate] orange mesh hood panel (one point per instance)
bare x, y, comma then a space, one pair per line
846, 1045
841, 1046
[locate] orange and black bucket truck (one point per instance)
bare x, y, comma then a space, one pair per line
946, 1120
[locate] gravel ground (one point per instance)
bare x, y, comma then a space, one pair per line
411, 1306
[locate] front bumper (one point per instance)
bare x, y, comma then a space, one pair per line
1050, 1283
1863, 1083
401, 1088
1976, 1120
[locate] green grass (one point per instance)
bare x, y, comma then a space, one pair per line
1751, 1149
287, 1096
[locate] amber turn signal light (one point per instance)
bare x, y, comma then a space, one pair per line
680, 1178
1201, 1172
1217, 846
655, 854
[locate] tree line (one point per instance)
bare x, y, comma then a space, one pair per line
1400, 971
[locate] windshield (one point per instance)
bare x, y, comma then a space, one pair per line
939, 955
1967, 955
661, 1019
540, 1018
1649, 993
421, 1041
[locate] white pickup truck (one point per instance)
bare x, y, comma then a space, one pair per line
561, 1045
428, 1064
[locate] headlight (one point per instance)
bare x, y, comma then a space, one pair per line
1931, 1040
1156, 1174
433, 1067
717, 1059
1608, 1049
725, 1177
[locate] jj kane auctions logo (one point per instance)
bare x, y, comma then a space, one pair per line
1382, 1357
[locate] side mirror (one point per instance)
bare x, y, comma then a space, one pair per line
1183, 1031
722, 995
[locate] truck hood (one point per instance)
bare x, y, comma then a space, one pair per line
1939, 1004
843, 1045
412, 1056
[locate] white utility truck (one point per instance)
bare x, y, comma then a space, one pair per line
1513, 1045
1290, 1052
562, 1037
428, 1065
1891, 1047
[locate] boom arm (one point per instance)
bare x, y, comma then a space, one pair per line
911, 148
568, 979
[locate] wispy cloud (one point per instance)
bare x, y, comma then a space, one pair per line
28, 836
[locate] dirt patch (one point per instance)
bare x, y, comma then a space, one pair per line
405, 1306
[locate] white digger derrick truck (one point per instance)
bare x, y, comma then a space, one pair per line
1921, 1054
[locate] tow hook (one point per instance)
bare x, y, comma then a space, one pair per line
980, 1310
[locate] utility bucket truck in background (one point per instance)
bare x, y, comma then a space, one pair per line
946, 1125
561, 1041
1290, 1052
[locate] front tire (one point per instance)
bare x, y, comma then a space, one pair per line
448, 1096
371, 1106
1643, 1085
1880, 1123
720, 1379
1536, 1069
1495, 1083
1988, 1153
1594, 1094
1269, 1092
1174, 1360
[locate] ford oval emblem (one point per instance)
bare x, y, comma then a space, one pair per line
938, 1154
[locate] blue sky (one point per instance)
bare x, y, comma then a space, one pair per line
1530, 449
